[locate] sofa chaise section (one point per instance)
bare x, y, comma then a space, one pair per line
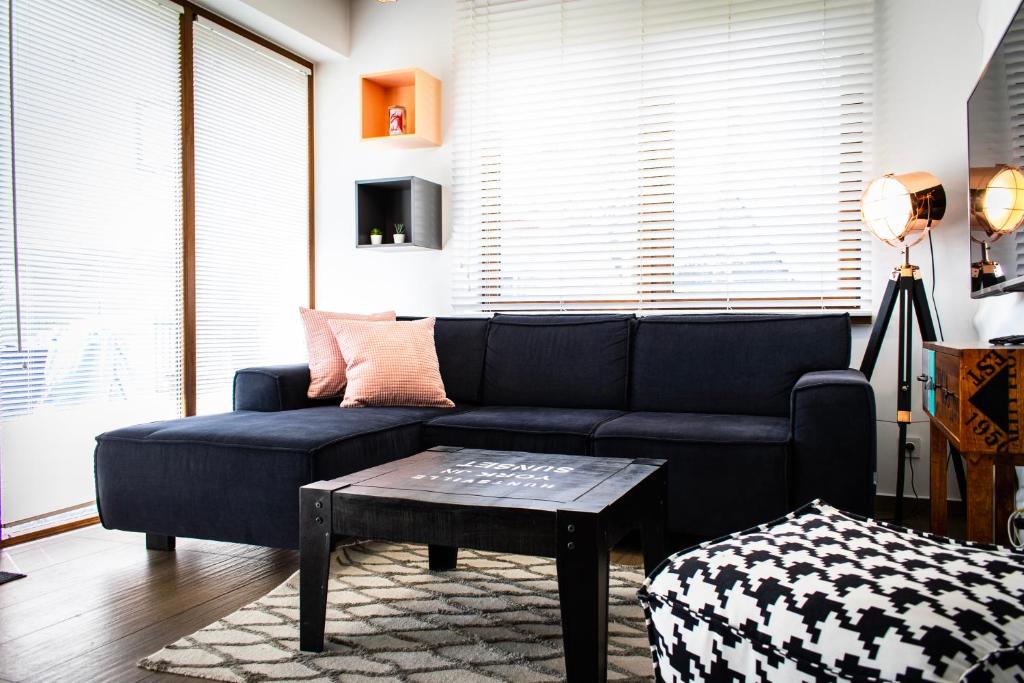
235, 476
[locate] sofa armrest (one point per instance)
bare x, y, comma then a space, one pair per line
833, 431
275, 387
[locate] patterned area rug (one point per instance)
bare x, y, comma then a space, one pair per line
495, 618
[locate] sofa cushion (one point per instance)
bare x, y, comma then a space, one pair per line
460, 344
390, 364
460, 352
742, 364
514, 428
559, 361
711, 459
327, 364
236, 476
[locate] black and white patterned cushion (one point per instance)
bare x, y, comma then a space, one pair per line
824, 595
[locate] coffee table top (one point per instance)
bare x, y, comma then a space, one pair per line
487, 478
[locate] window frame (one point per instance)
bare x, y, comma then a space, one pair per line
190, 14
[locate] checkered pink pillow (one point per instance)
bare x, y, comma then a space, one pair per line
326, 364
390, 363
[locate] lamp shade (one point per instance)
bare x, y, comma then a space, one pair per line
997, 199
900, 209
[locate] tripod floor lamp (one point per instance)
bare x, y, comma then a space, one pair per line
900, 210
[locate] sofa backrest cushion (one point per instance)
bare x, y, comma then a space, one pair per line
558, 361
460, 344
460, 352
731, 364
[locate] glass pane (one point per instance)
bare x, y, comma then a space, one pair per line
252, 203
96, 341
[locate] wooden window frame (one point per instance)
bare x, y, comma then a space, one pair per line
188, 18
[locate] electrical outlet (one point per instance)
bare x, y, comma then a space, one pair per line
914, 447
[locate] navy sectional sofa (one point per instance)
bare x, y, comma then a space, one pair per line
756, 415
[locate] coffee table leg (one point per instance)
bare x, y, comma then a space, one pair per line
315, 543
582, 562
653, 531
442, 557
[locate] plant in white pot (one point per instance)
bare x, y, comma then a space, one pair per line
376, 236
399, 233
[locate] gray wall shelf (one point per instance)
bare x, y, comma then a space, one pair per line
412, 201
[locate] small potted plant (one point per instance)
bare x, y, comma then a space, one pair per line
399, 233
376, 236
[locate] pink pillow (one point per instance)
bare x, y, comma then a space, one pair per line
390, 364
326, 364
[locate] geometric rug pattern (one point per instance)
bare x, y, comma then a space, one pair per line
389, 619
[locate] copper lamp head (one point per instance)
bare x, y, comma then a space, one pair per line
900, 209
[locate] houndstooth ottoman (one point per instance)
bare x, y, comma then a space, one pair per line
823, 595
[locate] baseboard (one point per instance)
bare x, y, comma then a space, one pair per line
49, 531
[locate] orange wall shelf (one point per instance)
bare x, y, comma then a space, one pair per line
414, 89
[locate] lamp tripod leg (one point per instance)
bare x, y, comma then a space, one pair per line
901, 468
924, 312
885, 309
903, 397
906, 290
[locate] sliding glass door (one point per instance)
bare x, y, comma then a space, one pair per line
252, 209
90, 305
140, 265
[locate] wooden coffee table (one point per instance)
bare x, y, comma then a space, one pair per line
569, 507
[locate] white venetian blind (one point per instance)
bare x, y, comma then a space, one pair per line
90, 294
252, 202
661, 155
1013, 110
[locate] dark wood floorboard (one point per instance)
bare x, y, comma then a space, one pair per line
96, 601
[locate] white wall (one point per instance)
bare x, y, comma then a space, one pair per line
927, 61
315, 29
412, 281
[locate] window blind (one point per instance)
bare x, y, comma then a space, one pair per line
90, 294
252, 203
1013, 108
661, 155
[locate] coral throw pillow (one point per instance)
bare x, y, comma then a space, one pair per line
390, 364
326, 364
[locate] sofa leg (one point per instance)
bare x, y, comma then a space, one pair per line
159, 542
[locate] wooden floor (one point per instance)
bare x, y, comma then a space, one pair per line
96, 601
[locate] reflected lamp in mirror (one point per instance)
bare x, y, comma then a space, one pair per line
997, 209
900, 209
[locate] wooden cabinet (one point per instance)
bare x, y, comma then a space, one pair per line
974, 395
414, 89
